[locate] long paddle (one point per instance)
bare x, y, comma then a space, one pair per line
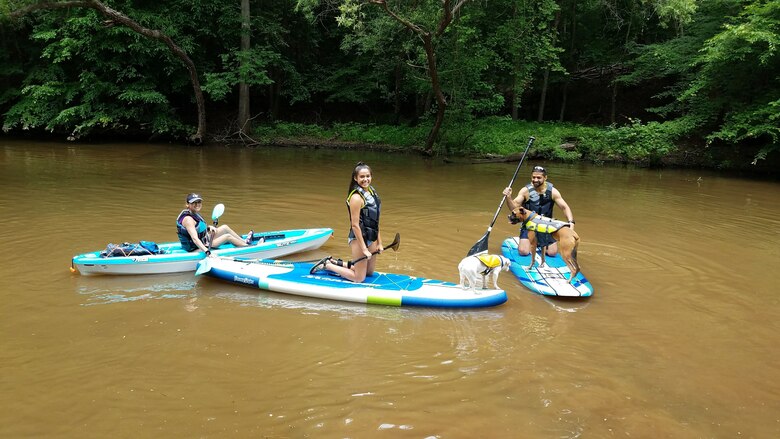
204, 266
482, 245
393, 245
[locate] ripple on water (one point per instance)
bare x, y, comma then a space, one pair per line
105, 290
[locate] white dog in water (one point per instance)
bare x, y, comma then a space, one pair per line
487, 266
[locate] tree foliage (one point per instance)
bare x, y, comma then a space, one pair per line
724, 74
665, 71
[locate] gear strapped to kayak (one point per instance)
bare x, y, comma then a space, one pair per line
142, 248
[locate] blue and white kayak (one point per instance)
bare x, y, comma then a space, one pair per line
173, 259
380, 288
550, 279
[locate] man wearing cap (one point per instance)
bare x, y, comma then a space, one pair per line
194, 233
539, 196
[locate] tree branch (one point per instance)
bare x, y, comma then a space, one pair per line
405, 22
150, 33
448, 15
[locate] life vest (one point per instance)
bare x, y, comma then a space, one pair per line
543, 224
369, 213
490, 261
184, 236
540, 203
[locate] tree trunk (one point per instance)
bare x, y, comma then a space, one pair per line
121, 18
564, 97
272, 94
441, 102
276, 89
614, 103
515, 98
543, 98
243, 87
448, 13
397, 94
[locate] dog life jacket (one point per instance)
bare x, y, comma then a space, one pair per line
369, 213
490, 261
184, 236
543, 224
540, 203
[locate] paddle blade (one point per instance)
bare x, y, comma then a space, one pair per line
219, 209
481, 246
396, 242
204, 266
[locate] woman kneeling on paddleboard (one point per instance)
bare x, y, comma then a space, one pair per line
194, 233
365, 239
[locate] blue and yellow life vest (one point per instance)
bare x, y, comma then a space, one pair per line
184, 236
542, 224
369, 213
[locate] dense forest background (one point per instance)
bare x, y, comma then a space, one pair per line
631, 80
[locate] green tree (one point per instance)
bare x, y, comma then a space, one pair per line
76, 105
725, 73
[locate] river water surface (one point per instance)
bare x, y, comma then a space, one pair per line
680, 339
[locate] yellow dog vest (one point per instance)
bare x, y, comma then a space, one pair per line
542, 224
490, 261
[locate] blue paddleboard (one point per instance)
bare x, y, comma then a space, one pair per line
550, 279
380, 288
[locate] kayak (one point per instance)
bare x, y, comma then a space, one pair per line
550, 279
173, 259
380, 288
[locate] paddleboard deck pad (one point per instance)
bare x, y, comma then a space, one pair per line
380, 288
550, 279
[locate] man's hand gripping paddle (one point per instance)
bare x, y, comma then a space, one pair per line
482, 245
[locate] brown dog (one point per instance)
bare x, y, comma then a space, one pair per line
568, 240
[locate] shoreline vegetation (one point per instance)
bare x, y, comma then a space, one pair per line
497, 139
486, 140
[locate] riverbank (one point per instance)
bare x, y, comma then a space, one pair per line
495, 139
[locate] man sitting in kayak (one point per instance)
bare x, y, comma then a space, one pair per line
194, 233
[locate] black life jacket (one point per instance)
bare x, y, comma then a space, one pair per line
184, 236
369, 213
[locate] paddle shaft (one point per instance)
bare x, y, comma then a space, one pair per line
512, 181
393, 245
479, 247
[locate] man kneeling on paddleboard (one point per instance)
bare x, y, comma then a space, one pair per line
538, 196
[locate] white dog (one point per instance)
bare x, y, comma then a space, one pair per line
481, 265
